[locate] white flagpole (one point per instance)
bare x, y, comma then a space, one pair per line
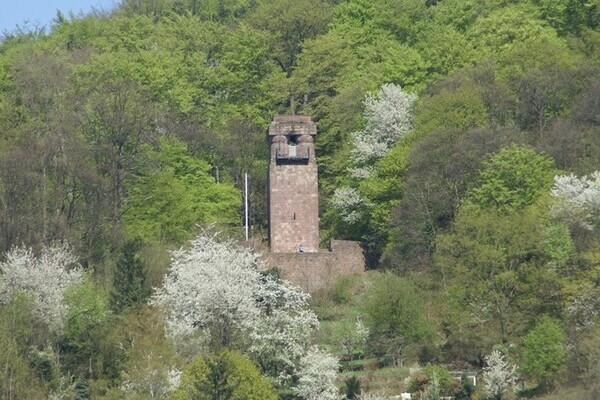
246, 202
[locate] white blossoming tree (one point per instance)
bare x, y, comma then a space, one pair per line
577, 200
349, 204
499, 375
209, 288
317, 380
282, 333
388, 117
214, 292
45, 278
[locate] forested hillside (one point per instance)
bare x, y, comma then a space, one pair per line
459, 141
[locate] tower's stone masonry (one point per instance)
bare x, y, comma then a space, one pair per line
293, 190
314, 272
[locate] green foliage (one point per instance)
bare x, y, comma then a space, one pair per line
506, 26
82, 391
18, 379
145, 359
498, 259
45, 364
289, 24
466, 389
223, 11
457, 109
227, 375
434, 381
544, 352
441, 166
95, 113
444, 49
394, 314
567, 16
513, 178
85, 324
559, 247
175, 194
129, 280
17, 317
584, 355
343, 288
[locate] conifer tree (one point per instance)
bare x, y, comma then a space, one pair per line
129, 282
82, 391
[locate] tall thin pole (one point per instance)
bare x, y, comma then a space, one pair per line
246, 202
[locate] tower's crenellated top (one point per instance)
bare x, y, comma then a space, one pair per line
291, 138
292, 125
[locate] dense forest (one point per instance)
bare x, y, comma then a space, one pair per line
459, 141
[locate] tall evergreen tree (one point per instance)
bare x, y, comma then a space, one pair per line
129, 280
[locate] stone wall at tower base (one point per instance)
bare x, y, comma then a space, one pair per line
316, 271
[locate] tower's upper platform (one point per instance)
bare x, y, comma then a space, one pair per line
292, 125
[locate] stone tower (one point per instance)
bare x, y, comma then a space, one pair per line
292, 186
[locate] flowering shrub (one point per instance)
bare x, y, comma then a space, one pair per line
44, 278
388, 117
577, 200
498, 375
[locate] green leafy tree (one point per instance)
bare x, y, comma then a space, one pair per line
452, 108
20, 329
499, 261
544, 352
545, 92
174, 194
432, 382
17, 380
567, 16
440, 167
513, 178
227, 375
144, 359
572, 139
394, 315
559, 247
289, 24
466, 388
117, 116
496, 248
84, 327
506, 26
